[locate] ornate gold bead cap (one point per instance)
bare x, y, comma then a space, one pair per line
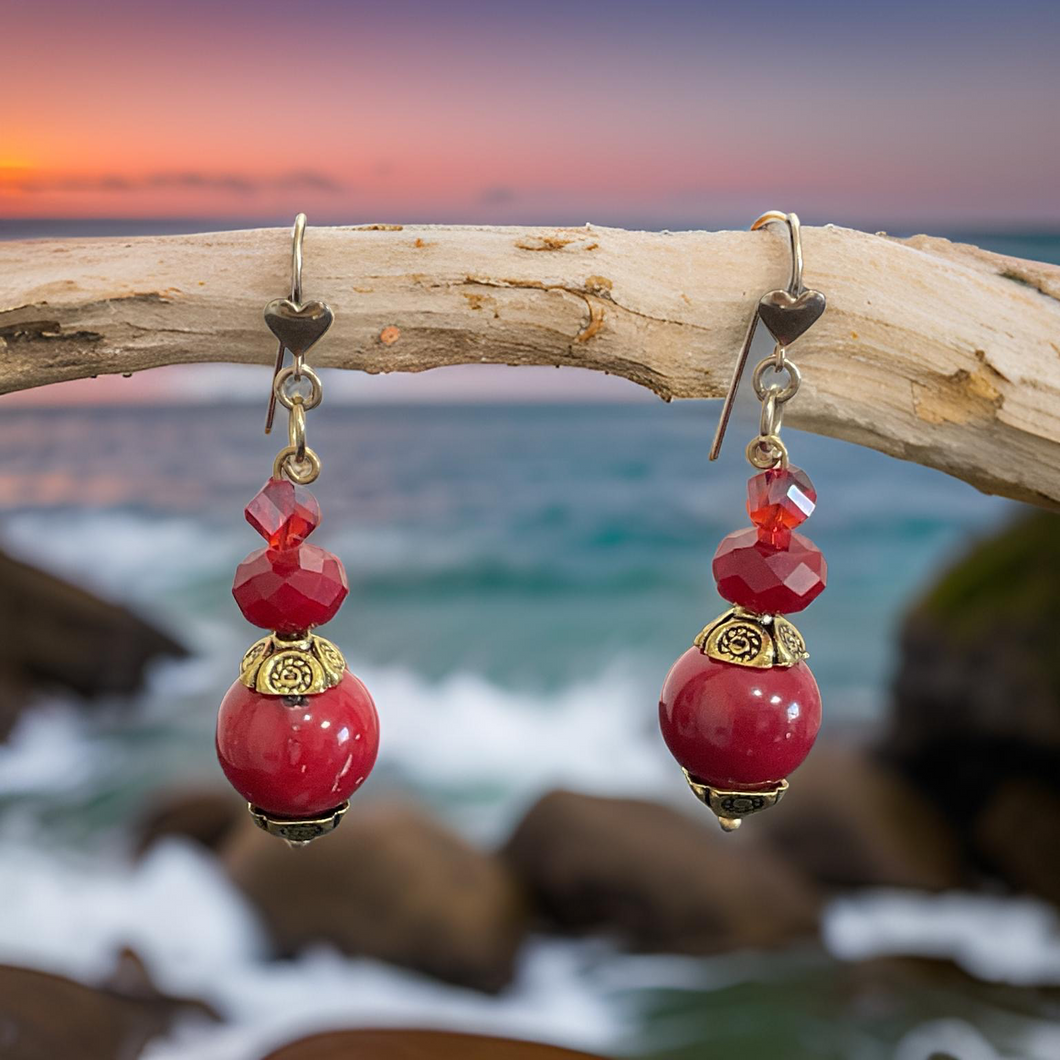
744, 638
298, 831
731, 807
275, 666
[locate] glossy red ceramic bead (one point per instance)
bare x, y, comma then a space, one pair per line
778, 500
284, 513
768, 579
298, 760
290, 590
736, 727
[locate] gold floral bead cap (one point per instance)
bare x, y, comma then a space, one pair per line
277, 667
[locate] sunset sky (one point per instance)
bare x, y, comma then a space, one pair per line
121, 117
654, 114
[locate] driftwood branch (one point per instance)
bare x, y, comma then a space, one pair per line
930, 351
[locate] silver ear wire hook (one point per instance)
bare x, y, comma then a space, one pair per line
795, 287
298, 326
787, 314
297, 236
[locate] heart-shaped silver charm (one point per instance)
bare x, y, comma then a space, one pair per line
298, 327
786, 316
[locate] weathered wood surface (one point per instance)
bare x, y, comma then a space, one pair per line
930, 351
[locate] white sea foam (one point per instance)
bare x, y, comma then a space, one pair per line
50, 749
995, 939
465, 734
128, 556
70, 914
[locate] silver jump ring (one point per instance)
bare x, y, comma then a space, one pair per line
301, 473
279, 386
296, 429
785, 394
772, 414
767, 451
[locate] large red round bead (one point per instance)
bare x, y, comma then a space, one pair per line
291, 589
737, 727
298, 758
767, 578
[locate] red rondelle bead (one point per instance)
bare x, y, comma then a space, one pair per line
290, 590
766, 578
284, 513
298, 758
737, 727
778, 500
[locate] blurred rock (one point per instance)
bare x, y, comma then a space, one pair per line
390, 883
976, 720
54, 635
850, 821
418, 1045
1018, 835
933, 987
205, 815
131, 981
48, 1017
660, 880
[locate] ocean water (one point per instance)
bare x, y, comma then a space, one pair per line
526, 574
521, 579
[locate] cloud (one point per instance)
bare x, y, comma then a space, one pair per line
188, 180
496, 195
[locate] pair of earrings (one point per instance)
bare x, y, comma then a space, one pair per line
297, 734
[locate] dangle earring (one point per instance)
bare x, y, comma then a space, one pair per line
740, 709
297, 733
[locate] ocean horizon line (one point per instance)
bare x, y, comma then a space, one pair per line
75, 227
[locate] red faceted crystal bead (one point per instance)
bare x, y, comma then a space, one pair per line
298, 758
290, 590
737, 727
284, 513
778, 500
766, 578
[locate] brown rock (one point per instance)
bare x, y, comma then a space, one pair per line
851, 821
661, 880
55, 635
48, 1017
204, 815
418, 1045
1019, 833
978, 650
976, 718
390, 883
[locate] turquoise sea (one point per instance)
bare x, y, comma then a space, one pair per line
521, 577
